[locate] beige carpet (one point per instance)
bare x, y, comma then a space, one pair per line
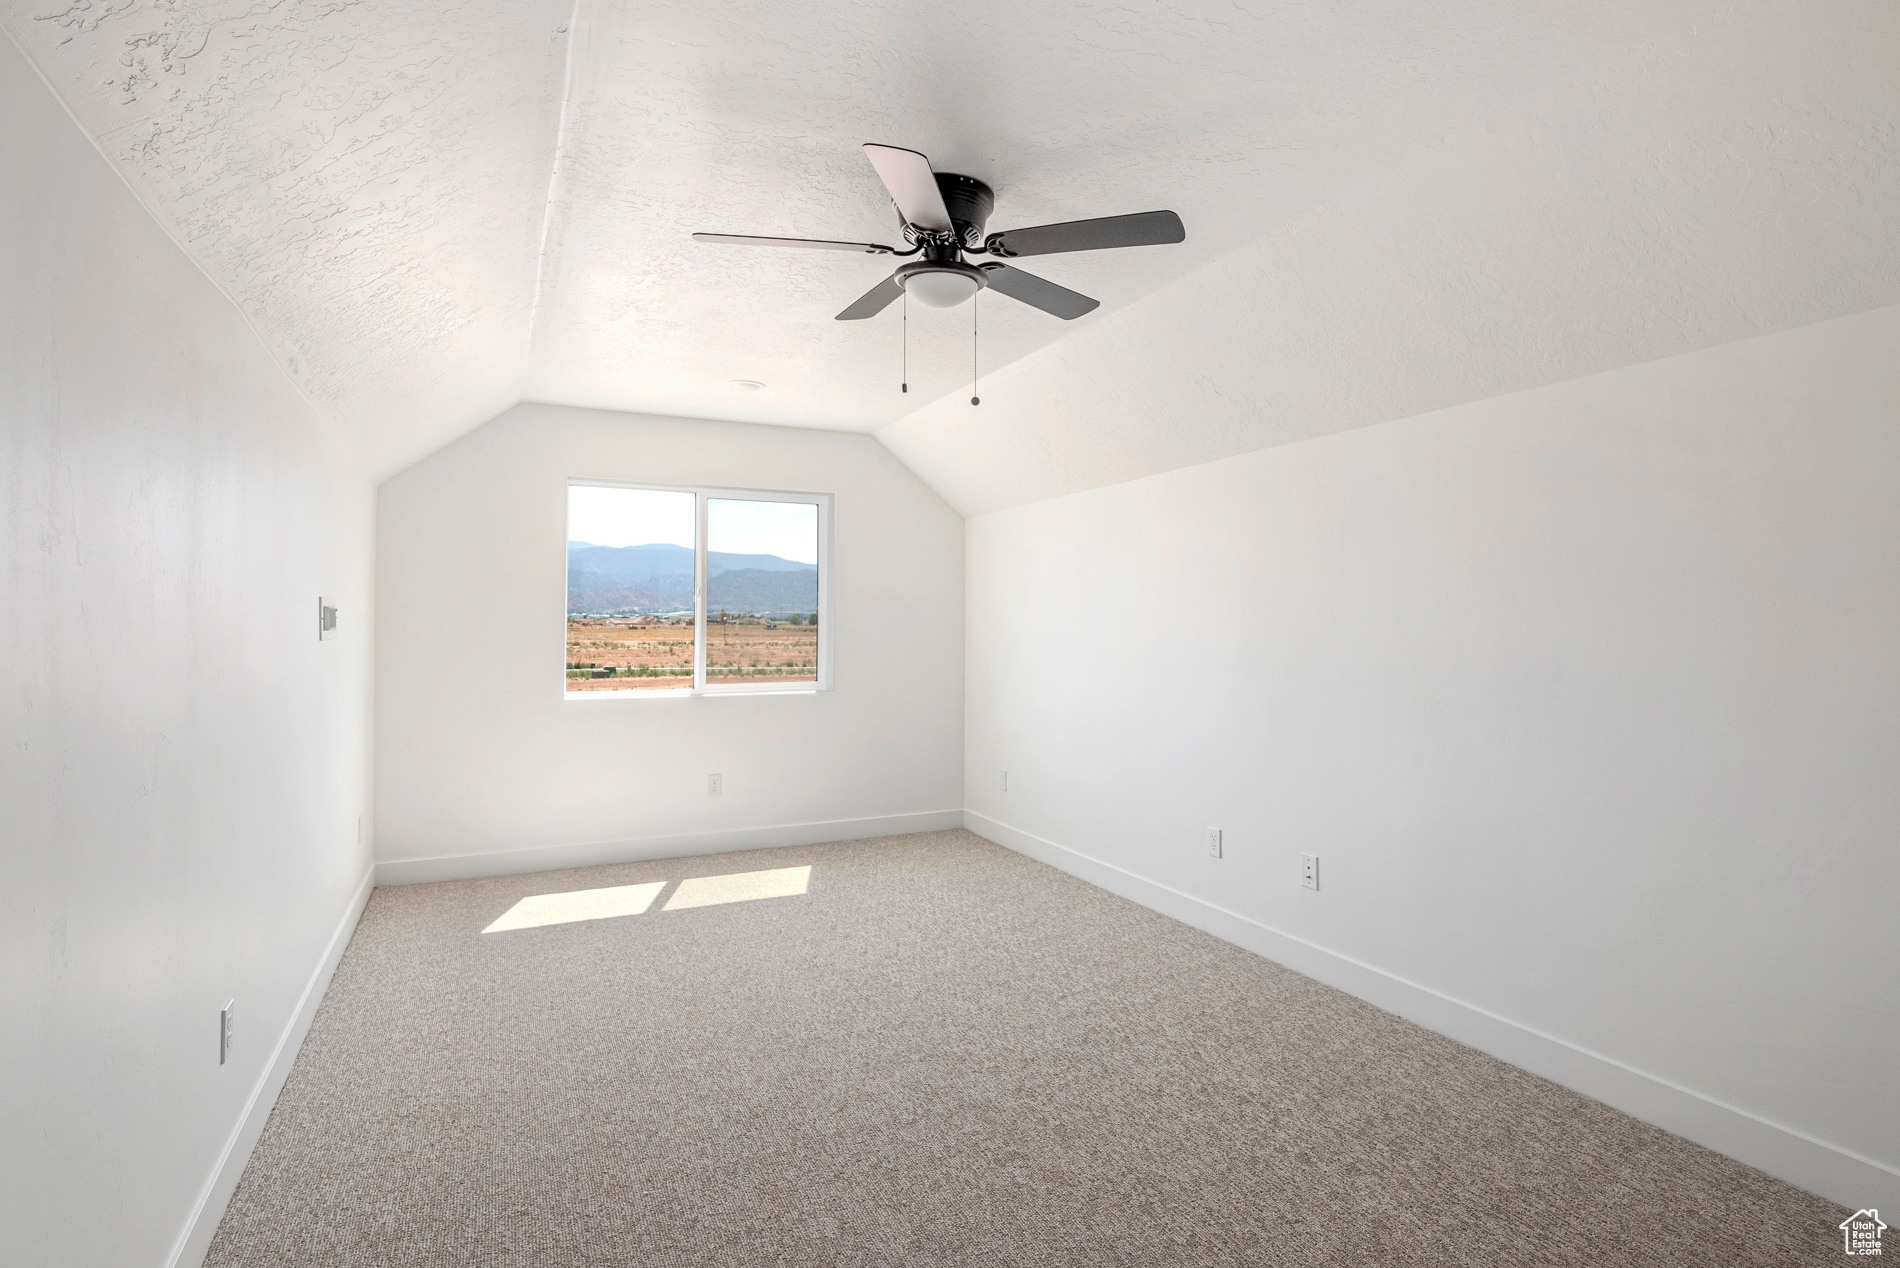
940, 1053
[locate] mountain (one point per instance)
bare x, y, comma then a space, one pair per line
624, 566
598, 578
631, 565
585, 601
718, 561
590, 579
589, 591
763, 590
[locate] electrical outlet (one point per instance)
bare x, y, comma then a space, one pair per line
1309, 870
715, 785
1213, 843
227, 1030
1004, 782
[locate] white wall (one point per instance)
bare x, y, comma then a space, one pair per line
1588, 697
183, 763
482, 766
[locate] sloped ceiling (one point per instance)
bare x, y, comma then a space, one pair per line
747, 116
1721, 180
431, 210
368, 182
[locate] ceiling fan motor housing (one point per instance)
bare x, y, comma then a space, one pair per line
939, 277
969, 202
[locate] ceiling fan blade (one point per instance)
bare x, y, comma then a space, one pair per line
873, 301
913, 186
1039, 293
1143, 229
742, 240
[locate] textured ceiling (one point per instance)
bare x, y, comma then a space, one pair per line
368, 182
747, 116
431, 210
1715, 180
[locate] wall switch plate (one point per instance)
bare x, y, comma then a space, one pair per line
1309, 870
326, 617
1004, 781
227, 1030
715, 785
1213, 843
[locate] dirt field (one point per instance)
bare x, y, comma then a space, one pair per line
662, 655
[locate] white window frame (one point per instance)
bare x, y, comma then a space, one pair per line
702, 494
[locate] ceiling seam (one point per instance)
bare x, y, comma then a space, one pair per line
554, 180
171, 235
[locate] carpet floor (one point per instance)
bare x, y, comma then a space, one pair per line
939, 1052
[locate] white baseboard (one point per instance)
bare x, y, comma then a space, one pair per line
547, 858
189, 1250
1828, 1170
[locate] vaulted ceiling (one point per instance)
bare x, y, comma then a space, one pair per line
431, 210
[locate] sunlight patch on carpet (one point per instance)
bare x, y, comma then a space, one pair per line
582, 904
739, 887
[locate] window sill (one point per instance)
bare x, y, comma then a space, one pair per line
683, 693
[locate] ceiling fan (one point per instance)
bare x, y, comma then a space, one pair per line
943, 216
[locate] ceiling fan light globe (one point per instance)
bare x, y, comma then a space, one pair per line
940, 289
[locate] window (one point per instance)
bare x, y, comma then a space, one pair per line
700, 591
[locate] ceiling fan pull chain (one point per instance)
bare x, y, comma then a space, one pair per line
974, 398
906, 374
